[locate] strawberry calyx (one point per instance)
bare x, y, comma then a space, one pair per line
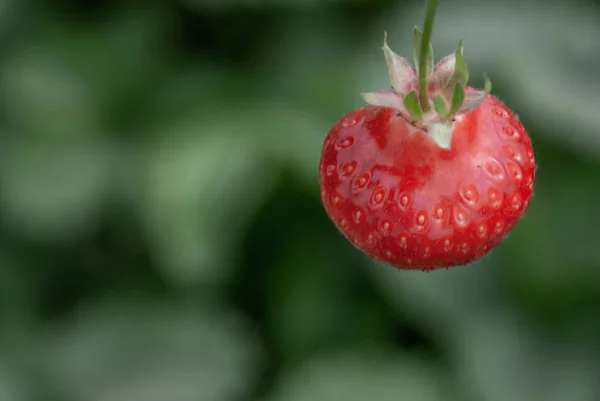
428, 96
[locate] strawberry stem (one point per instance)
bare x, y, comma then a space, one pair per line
423, 53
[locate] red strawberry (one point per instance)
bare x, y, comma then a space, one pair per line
423, 182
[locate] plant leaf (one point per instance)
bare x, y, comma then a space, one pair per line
461, 72
440, 106
488, 84
458, 97
411, 102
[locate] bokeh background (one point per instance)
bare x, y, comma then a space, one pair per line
161, 232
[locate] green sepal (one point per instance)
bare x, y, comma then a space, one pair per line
417, 38
439, 105
487, 84
411, 102
458, 97
461, 72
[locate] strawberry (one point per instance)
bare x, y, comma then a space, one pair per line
433, 173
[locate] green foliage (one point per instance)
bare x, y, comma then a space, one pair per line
161, 232
461, 75
411, 102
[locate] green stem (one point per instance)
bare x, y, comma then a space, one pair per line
427, 28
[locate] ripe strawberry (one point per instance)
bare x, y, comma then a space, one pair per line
427, 181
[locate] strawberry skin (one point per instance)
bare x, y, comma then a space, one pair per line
403, 199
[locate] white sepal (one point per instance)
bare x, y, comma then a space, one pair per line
443, 71
386, 99
403, 75
473, 98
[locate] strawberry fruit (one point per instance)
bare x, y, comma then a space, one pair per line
433, 173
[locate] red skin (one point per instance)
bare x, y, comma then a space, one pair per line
399, 197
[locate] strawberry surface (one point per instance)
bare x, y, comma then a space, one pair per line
402, 199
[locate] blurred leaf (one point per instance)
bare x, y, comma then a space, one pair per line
115, 352
8, 10
444, 299
290, 137
53, 191
500, 358
315, 68
208, 5
44, 98
16, 300
360, 377
199, 87
311, 308
122, 58
552, 261
202, 185
12, 386
87, 71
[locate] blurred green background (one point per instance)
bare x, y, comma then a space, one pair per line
162, 236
